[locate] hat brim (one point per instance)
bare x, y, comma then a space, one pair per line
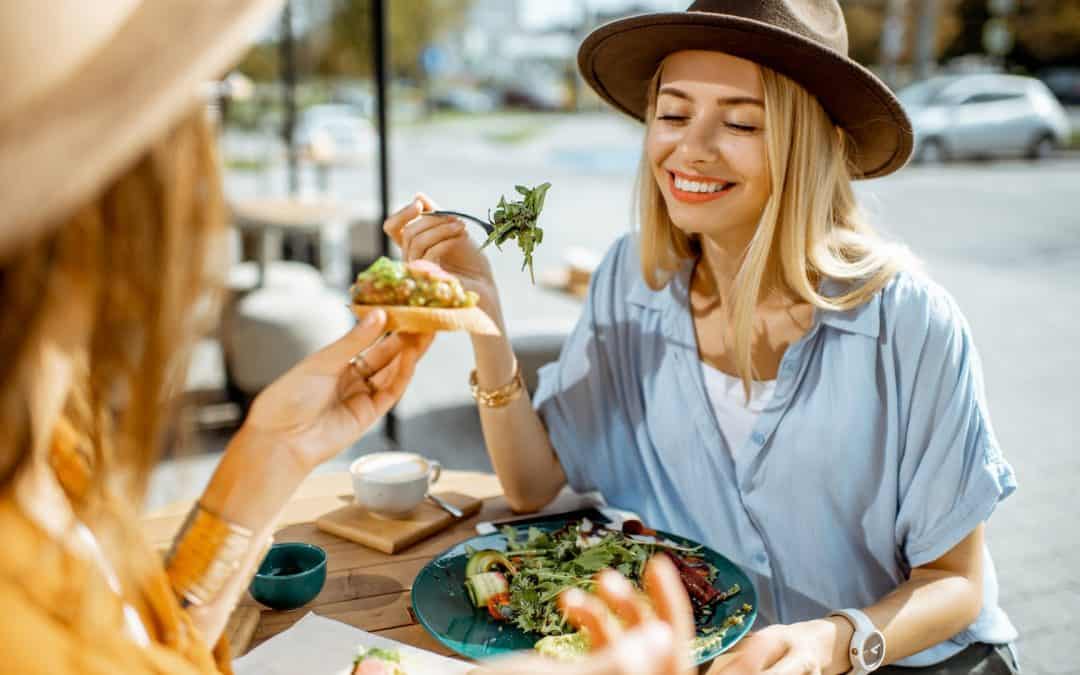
58, 150
619, 59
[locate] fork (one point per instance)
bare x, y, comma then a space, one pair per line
488, 227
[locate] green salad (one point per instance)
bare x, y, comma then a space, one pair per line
517, 220
521, 585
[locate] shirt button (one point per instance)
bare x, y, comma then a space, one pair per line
758, 438
761, 558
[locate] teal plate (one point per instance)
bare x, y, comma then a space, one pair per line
442, 606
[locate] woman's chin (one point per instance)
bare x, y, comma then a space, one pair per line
695, 226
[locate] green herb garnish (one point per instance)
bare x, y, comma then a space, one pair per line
517, 220
377, 653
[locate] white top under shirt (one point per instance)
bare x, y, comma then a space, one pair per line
735, 418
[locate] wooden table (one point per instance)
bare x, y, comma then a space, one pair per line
328, 220
364, 588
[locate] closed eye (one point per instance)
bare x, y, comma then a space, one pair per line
741, 127
671, 118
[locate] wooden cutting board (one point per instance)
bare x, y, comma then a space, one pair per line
392, 536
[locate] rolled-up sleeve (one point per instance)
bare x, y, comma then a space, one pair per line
577, 396
952, 474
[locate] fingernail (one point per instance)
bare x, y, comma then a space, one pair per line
373, 317
655, 636
573, 597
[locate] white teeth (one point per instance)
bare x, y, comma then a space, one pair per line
694, 186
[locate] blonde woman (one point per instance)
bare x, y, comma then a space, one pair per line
755, 367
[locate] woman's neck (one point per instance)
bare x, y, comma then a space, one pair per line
721, 258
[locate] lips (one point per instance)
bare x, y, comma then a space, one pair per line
697, 189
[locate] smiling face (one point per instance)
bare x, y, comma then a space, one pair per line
706, 144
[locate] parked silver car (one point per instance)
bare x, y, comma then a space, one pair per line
984, 115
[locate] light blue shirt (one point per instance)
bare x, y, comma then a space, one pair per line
875, 455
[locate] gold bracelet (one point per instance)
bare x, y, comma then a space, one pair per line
206, 553
501, 397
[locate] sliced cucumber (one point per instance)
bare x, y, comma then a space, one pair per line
482, 587
571, 647
487, 561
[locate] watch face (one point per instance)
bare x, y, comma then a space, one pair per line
873, 650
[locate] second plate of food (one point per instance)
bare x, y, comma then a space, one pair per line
495, 594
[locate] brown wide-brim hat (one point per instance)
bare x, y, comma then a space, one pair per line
88, 86
806, 40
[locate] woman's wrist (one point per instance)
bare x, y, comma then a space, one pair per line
257, 475
835, 635
495, 362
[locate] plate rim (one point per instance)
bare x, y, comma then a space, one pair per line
748, 620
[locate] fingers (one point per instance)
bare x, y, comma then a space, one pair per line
361, 336
672, 604
669, 598
419, 340
622, 598
392, 385
756, 652
426, 202
638, 652
588, 613
397, 221
419, 237
375, 356
795, 662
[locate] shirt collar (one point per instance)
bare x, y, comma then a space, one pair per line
862, 320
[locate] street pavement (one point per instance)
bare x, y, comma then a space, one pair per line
1003, 237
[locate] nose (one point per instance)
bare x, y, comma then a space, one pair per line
701, 142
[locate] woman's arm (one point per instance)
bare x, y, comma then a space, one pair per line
520, 449
516, 439
309, 415
939, 600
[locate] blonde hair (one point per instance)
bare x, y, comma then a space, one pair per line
134, 264
811, 226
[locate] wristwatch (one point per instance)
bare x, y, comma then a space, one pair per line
867, 651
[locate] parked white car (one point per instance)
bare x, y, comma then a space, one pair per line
984, 115
349, 135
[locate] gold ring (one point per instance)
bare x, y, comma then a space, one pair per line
362, 366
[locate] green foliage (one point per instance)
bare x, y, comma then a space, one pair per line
342, 45
517, 220
552, 563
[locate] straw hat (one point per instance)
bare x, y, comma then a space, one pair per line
806, 40
87, 85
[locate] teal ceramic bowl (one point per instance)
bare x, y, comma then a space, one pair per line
290, 575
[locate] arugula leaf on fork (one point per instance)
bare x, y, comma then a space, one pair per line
517, 220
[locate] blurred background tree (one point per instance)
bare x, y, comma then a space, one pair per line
334, 38
1047, 34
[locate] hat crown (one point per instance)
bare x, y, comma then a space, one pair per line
44, 41
819, 20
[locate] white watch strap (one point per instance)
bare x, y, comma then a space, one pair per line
867, 649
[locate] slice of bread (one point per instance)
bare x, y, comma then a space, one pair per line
428, 320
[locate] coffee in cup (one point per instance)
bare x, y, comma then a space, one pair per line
392, 484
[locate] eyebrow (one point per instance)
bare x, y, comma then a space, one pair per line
728, 100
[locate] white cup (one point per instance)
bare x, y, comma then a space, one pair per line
392, 484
